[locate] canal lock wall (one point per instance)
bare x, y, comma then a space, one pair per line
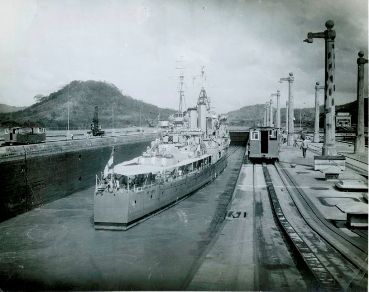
33, 175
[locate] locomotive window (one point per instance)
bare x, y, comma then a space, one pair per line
255, 135
273, 134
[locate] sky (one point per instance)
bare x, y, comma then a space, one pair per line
245, 47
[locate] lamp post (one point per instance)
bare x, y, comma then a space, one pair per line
287, 116
301, 116
291, 130
360, 137
68, 109
271, 113
329, 146
265, 115
317, 112
278, 117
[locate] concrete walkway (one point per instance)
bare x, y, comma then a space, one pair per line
323, 193
345, 149
249, 253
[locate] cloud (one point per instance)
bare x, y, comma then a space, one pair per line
246, 46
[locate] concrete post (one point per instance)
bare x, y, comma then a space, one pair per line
329, 146
271, 113
360, 137
287, 116
317, 112
278, 113
291, 117
266, 115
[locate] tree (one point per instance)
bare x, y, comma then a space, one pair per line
38, 98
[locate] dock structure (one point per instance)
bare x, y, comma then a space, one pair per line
36, 174
239, 135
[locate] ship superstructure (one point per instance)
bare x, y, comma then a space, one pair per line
190, 152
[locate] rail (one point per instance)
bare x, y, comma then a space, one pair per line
320, 272
352, 250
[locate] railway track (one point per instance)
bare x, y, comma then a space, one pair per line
336, 260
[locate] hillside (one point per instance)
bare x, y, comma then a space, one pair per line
114, 108
4, 108
249, 116
253, 115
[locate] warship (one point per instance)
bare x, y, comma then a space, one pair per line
190, 151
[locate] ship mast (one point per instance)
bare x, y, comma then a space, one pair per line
203, 78
203, 97
182, 103
181, 94
68, 113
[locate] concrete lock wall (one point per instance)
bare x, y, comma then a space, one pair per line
239, 138
31, 180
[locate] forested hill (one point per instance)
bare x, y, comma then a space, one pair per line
253, 115
4, 108
51, 111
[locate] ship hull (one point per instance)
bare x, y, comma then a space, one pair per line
124, 209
